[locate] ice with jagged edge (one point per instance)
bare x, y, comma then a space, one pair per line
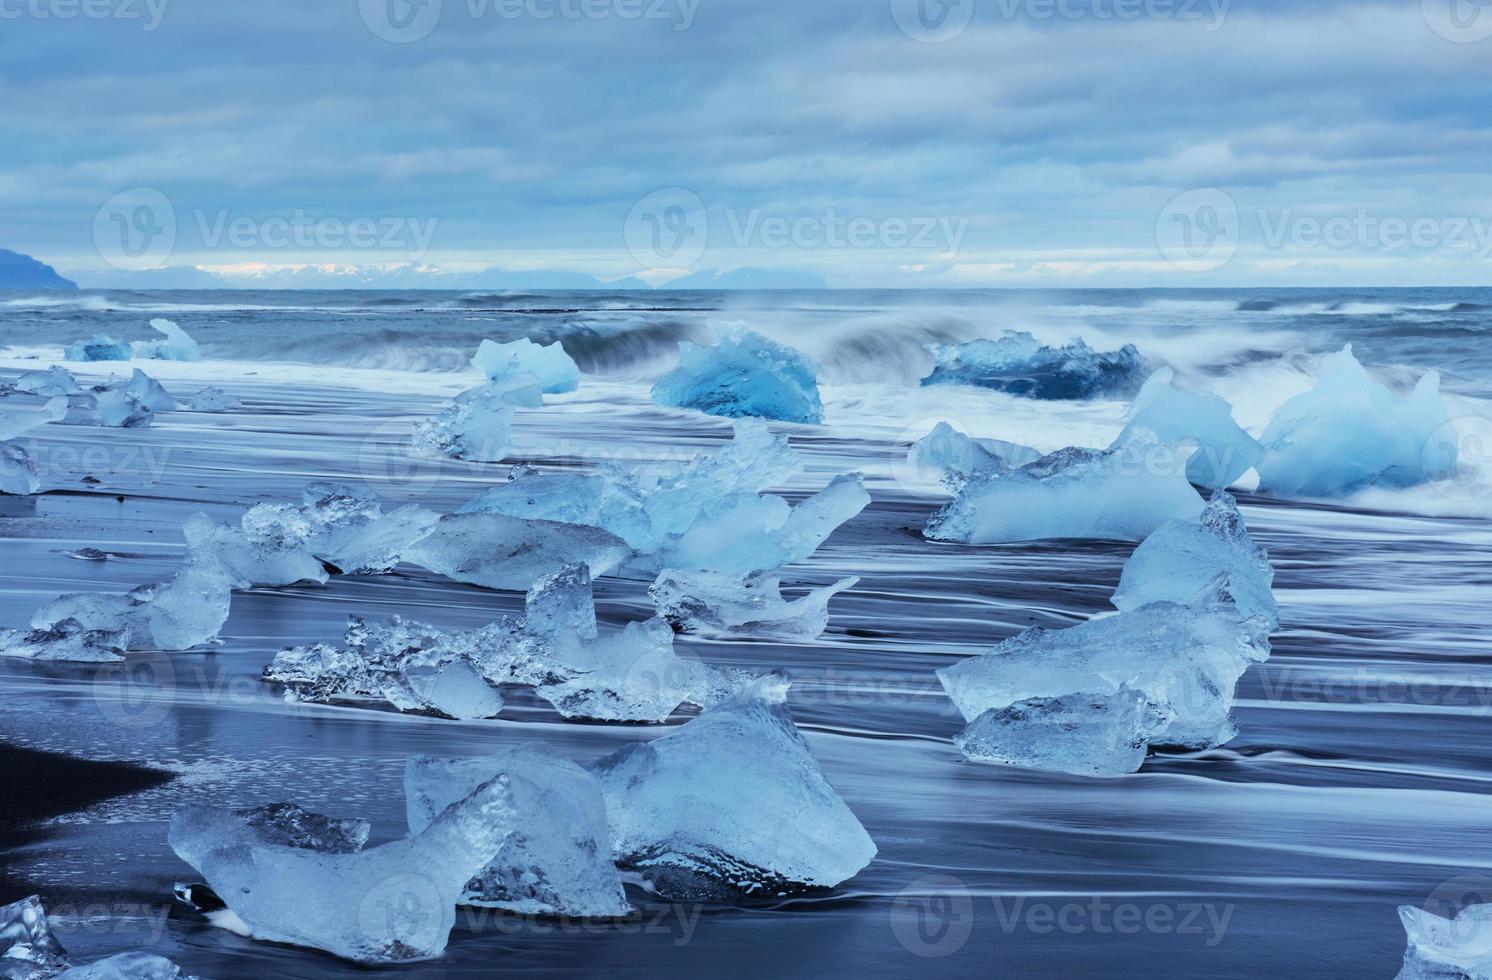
196, 831
130, 404
213, 400
744, 375
500, 552
712, 604
1123, 493
1018, 364
29, 950
99, 347
951, 459
559, 863
18, 423
733, 804
127, 966
1181, 560
184, 612
19, 474
349, 531
65, 641
1225, 451
50, 383
555, 370
177, 344
478, 424
393, 903
1082, 734
1186, 660
268, 547
1350, 433
1455, 948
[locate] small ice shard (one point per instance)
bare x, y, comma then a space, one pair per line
1457, 948
395, 903
745, 375
101, 347
742, 605
1019, 365
946, 456
126, 966
28, 947
350, 532
1225, 452
1181, 560
556, 371
213, 400
178, 345
14, 424
268, 548
1122, 493
500, 552
1082, 734
196, 831
477, 427
180, 614
49, 383
1185, 659
558, 863
19, 474
66, 641
147, 392
731, 805
1350, 433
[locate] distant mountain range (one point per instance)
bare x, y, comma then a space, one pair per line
19, 271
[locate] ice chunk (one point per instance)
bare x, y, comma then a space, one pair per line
1123, 493
214, 400
1185, 659
562, 604
14, 424
1018, 365
1181, 560
268, 548
113, 408
28, 947
456, 690
556, 371
1350, 433
178, 345
387, 904
127, 966
1082, 734
567, 497
1457, 948
101, 347
744, 375
180, 614
949, 457
732, 804
742, 605
147, 391
501, 552
19, 474
350, 531
559, 861
49, 383
196, 831
1225, 452
65, 641
479, 429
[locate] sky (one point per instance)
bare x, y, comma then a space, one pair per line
904, 143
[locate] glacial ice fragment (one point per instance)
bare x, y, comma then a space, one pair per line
101, 347
732, 804
1180, 561
477, 426
66, 641
113, 408
559, 860
1019, 365
1122, 493
1082, 734
50, 383
949, 457
16, 423
268, 548
744, 375
19, 474
27, 942
213, 400
718, 605
196, 831
1455, 948
178, 345
389, 904
1224, 451
500, 552
556, 371
1349, 433
147, 391
185, 612
349, 530
126, 966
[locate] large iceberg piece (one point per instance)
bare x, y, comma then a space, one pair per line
1186, 660
732, 804
1350, 433
555, 370
1018, 365
66, 641
744, 375
1225, 452
1180, 562
101, 347
19, 474
1082, 734
389, 904
718, 605
500, 552
559, 862
178, 345
1458, 948
28, 947
196, 831
1122, 493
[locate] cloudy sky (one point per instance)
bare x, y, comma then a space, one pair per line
871, 142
